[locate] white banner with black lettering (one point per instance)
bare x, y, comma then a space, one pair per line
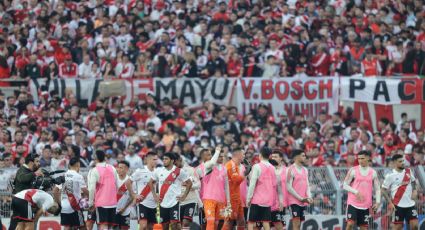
288, 96
384, 91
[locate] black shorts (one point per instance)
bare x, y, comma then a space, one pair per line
145, 213
75, 219
358, 216
91, 216
201, 214
187, 211
106, 216
297, 212
245, 213
22, 210
404, 214
258, 213
278, 217
170, 214
123, 222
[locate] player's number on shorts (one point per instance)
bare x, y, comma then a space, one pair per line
175, 215
190, 211
414, 213
366, 219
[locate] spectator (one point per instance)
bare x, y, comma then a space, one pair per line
68, 69
134, 160
85, 68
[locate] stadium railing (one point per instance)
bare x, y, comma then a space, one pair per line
326, 187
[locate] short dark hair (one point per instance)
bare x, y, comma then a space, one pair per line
170, 155
365, 153
278, 152
124, 162
396, 157
74, 161
265, 152
30, 158
100, 155
296, 152
151, 153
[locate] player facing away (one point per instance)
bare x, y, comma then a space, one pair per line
398, 188
360, 182
102, 185
71, 214
192, 201
170, 179
299, 194
125, 196
145, 203
278, 210
260, 191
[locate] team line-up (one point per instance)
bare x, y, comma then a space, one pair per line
226, 195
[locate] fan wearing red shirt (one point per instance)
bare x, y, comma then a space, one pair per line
321, 62
389, 145
222, 15
68, 69
315, 156
234, 66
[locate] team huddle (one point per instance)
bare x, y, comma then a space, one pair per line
226, 195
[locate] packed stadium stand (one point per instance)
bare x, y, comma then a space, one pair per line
330, 77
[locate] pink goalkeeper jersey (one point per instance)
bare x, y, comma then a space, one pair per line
364, 184
299, 184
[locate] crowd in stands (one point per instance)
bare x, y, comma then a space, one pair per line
204, 38
59, 129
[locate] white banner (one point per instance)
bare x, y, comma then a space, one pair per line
193, 92
384, 91
288, 95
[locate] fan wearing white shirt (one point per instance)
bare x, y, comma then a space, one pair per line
124, 69
84, 69
398, 188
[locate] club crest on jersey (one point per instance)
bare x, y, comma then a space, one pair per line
295, 213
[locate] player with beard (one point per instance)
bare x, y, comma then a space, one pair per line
71, 215
360, 182
398, 187
171, 180
192, 201
124, 196
146, 204
299, 193
278, 210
